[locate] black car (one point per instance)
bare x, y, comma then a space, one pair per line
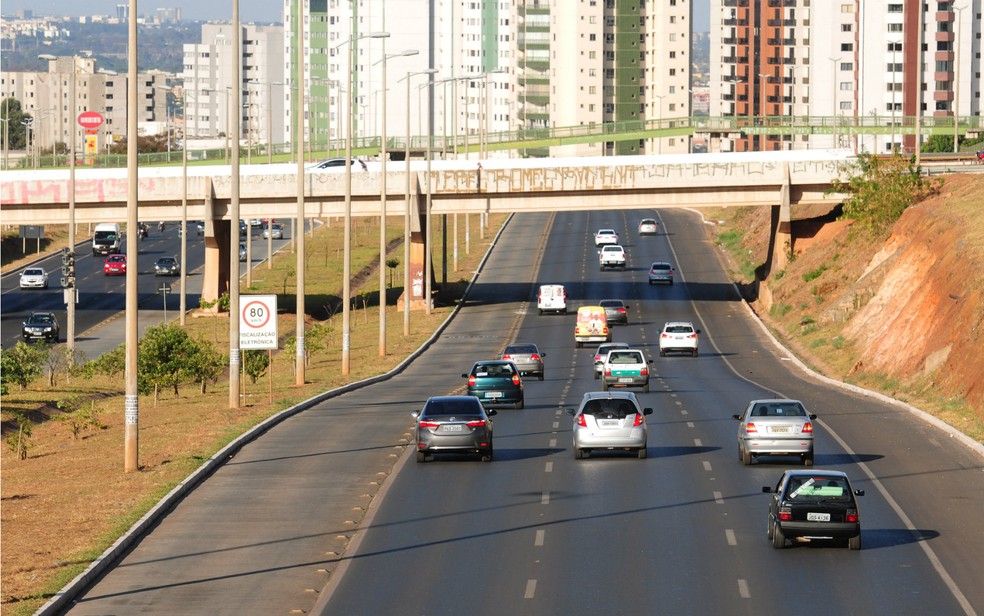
615, 311
453, 424
41, 326
496, 382
167, 266
808, 505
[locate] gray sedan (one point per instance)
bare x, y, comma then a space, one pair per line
453, 424
775, 427
527, 357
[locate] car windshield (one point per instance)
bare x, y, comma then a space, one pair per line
609, 408
456, 408
41, 319
611, 303
778, 409
33, 272
818, 487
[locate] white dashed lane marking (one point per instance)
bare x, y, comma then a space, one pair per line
743, 589
538, 541
548, 468
730, 535
530, 589
545, 498
707, 465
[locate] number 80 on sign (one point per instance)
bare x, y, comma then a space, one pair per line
258, 322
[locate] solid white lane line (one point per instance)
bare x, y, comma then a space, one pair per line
530, 589
538, 541
730, 535
743, 591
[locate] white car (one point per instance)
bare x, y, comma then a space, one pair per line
276, 231
611, 256
34, 278
678, 336
606, 236
648, 226
610, 421
551, 298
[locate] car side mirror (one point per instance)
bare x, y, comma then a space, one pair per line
647, 411
767, 489
570, 412
738, 417
543, 354
491, 412
859, 492
813, 416
649, 361
464, 376
697, 331
415, 414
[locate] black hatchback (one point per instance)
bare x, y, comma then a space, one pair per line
453, 424
808, 505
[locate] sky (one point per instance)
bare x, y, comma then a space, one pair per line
264, 11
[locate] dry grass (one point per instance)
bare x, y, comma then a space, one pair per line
70, 499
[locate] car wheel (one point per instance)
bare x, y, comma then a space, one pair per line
746, 457
577, 344
808, 459
662, 353
540, 377
596, 375
642, 453
645, 388
487, 455
854, 543
521, 404
421, 456
778, 539
604, 385
693, 353
671, 283
769, 531
578, 453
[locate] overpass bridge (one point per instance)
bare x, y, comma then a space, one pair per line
795, 183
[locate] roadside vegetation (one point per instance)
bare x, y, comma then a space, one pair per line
65, 495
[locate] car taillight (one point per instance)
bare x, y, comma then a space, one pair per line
750, 428
535, 357
471, 381
581, 421
785, 514
664, 335
515, 379
621, 310
638, 421
507, 356
425, 423
604, 330
597, 358
808, 428
475, 423
608, 371
644, 372
851, 515
692, 336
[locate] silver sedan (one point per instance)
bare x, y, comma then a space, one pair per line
526, 356
610, 420
775, 427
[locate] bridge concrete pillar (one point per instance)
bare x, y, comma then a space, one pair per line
215, 276
418, 245
782, 228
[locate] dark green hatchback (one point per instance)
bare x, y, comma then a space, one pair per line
495, 382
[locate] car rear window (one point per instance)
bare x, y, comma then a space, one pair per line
611, 409
521, 349
827, 487
457, 408
661, 266
493, 370
778, 409
621, 357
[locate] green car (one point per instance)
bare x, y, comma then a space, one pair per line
495, 382
625, 368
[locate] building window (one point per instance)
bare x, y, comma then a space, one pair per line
845, 105
894, 27
847, 27
847, 46
846, 86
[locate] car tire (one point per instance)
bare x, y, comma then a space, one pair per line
577, 344
596, 375
778, 538
746, 457
604, 385
642, 453
769, 530
671, 283
487, 455
421, 456
662, 353
645, 388
578, 453
540, 311
808, 459
540, 377
693, 353
854, 543
521, 404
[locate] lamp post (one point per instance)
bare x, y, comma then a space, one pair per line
131, 395
235, 105
298, 125
762, 111
407, 288
347, 247
383, 156
659, 121
956, 78
918, 83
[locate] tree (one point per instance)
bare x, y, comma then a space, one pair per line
14, 116
22, 363
20, 440
163, 358
78, 416
206, 364
146, 144
255, 363
880, 189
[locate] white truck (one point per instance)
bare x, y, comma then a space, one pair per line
551, 298
107, 239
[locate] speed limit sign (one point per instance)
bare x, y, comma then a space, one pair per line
258, 322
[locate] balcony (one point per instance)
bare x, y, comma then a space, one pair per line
946, 95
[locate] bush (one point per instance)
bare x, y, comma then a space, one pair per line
22, 363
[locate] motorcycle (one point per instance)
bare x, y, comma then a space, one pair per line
160, 226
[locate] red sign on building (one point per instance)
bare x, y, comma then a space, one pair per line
90, 119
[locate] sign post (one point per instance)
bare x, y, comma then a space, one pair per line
258, 328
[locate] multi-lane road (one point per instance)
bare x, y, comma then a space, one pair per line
275, 530
101, 297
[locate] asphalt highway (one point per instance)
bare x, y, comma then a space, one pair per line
277, 528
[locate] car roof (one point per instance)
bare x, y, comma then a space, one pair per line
666, 263
648, 220
774, 400
594, 395
606, 230
816, 473
520, 344
673, 323
609, 302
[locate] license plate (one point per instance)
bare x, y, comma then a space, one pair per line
493, 394
608, 423
818, 517
779, 429
624, 380
456, 428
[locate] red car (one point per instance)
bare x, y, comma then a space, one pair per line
115, 265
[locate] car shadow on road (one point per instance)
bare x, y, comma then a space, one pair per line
672, 452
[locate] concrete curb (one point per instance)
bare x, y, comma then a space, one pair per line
63, 598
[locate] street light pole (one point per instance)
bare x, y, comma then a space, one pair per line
956, 78
132, 338
235, 105
299, 375
833, 100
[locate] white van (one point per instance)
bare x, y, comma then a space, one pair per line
551, 298
107, 239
